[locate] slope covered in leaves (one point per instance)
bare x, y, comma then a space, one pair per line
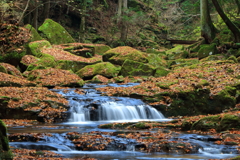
55, 77
48, 105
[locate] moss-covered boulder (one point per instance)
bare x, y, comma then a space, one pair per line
120, 54
220, 122
105, 69
207, 50
68, 61
35, 48
133, 68
5, 152
44, 62
54, 32
55, 77
34, 34
177, 52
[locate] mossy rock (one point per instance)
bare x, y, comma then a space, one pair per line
178, 63
5, 152
177, 52
134, 68
34, 34
99, 79
233, 58
229, 121
207, 50
99, 49
55, 33
44, 62
214, 58
10, 69
105, 69
72, 65
120, 54
156, 60
222, 122
206, 123
55, 77
161, 71
36, 46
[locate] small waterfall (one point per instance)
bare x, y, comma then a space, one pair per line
112, 111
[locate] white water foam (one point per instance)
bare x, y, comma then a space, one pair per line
114, 111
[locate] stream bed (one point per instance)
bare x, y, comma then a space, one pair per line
89, 109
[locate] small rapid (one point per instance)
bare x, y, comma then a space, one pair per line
91, 106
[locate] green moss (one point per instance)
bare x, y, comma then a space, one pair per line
207, 50
55, 33
166, 84
3, 69
206, 123
105, 69
36, 46
161, 71
120, 54
133, 68
229, 121
233, 58
34, 34
5, 152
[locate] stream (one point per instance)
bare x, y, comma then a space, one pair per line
90, 109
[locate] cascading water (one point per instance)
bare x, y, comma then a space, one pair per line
91, 106
113, 111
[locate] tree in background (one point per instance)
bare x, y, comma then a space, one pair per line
234, 29
208, 31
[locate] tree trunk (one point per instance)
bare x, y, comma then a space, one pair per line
238, 5
208, 31
83, 22
46, 8
119, 13
35, 14
231, 26
124, 28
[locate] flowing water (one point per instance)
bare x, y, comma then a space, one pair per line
90, 109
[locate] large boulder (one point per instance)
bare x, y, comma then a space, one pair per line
68, 61
5, 152
54, 77
105, 69
54, 32
120, 54
133, 68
